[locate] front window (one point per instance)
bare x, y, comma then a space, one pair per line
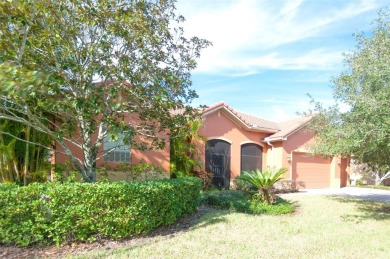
251, 157
117, 150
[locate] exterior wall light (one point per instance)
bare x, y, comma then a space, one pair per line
289, 158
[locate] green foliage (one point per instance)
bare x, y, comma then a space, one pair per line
263, 181
66, 172
364, 129
380, 187
71, 68
238, 201
207, 179
359, 182
144, 171
56, 213
23, 162
184, 153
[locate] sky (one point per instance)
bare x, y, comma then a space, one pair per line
267, 55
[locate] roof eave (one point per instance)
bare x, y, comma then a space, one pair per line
265, 130
283, 138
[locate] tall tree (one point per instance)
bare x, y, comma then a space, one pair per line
364, 129
81, 70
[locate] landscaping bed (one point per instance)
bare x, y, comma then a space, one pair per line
238, 201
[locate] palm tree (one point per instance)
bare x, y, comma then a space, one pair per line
263, 181
184, 151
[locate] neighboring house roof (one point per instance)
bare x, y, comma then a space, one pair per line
289, 127
249, 121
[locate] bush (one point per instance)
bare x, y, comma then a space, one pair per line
142, 171
206, 178
238, 201
66, 172
264, 182
56, 213
287, 186
359, 182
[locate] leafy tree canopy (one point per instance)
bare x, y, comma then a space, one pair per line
81, 70
364, 87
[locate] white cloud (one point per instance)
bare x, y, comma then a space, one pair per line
242, 65
247, 34
291, 7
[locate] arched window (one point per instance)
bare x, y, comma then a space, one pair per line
218, 162
251, 157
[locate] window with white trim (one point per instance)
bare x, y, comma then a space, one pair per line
117, 150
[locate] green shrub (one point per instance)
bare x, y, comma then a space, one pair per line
143, 171
263, 181
56, 213
359, 182
238, 201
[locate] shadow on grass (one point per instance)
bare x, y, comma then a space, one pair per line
203, 217
211, 217
368, 209
104, 247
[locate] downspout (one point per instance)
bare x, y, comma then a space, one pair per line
272, 151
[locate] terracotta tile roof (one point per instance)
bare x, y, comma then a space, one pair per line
289, 127
250, 121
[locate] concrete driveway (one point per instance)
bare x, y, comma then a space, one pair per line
353, 192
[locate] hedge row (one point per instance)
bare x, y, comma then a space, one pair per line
56, 213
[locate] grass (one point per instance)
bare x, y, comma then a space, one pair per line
380, 187
322, 227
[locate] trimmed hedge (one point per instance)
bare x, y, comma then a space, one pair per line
56, 213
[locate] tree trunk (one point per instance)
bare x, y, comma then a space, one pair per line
26, 156
266, 197
32, 167
2, 167
16, 169
89, 174
379, 180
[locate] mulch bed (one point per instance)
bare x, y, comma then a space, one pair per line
182, 225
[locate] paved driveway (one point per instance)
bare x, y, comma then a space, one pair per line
353, 192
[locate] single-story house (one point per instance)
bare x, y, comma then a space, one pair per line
239, 142
236, 142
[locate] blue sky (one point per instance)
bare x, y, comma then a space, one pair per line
267, 55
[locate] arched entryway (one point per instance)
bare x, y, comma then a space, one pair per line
218, 162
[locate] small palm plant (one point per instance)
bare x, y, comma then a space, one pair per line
263, 181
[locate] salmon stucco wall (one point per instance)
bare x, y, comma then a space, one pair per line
158, 157
299, 141
339, 172
155, 157
218, 125
280, 154
274, 154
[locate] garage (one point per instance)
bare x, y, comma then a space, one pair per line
314, 172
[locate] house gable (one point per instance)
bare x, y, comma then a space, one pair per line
219, 124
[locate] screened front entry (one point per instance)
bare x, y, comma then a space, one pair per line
218, 162
251, 157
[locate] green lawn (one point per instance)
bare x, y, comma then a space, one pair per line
321, 227
380, 187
